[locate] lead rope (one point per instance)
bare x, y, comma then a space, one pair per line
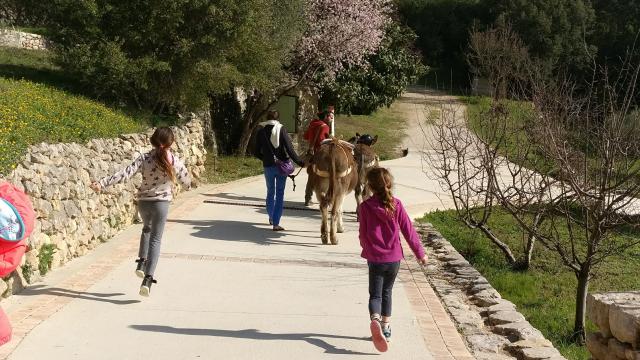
293, 178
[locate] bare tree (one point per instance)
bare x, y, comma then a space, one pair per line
591, 139
582, 185
479, 170
499, 55
568, 171
470, 167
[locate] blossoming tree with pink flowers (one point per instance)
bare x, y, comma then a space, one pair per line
338, 33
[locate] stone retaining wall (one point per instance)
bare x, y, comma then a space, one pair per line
617, 316
72, 219
23, 40
491, 326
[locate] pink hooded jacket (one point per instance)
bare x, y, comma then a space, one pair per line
16, 228
380, 233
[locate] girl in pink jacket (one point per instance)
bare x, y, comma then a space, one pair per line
382, 219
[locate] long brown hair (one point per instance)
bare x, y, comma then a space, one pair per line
380, 182
162, 139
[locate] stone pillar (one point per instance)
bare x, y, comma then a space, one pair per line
617, 316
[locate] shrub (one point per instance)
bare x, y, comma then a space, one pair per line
45, 257
362, 89
27, 272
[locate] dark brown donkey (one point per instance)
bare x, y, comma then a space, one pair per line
334, 175
366, 159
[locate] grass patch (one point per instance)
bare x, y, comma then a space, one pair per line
222, 169
41, 103
31, 113
32, 30
545, 294
520, 115
388, 123
36, 66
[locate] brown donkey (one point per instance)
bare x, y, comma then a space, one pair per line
333, 176
366, 159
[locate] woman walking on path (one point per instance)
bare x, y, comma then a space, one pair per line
273, 143
382, 219
160, 169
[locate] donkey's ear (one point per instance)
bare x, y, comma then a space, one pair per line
352, 140
375, 139
357, 135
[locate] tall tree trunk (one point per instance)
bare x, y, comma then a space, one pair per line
249, 123
502, 246
581, 303
247, 131
531, 241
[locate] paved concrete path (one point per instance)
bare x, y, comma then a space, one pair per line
230, 288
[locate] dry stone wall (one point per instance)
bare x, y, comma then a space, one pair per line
617, 316
491, 326
71, 218
23, 40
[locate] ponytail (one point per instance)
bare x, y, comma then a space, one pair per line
162, 139
162, 160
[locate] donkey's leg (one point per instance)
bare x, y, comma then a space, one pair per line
324, 228
339, 203
358, 192
334, 225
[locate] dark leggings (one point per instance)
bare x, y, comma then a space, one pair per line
381, 279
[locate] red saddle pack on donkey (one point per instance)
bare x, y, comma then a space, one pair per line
16, 223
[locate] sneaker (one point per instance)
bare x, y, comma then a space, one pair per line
145, 288
379, 341
140, 267
386, 331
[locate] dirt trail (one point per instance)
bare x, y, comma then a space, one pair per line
420, 106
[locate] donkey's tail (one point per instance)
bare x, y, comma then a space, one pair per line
334, 181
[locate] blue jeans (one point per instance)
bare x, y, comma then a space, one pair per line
275, 193
381, 279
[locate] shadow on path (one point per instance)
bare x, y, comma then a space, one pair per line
257, 335
241, 231
236, 197
292, 208
56, 291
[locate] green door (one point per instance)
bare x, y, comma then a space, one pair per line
288, 108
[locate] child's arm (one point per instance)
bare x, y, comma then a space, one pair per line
362, 220
182, 174
409, 233
121, 175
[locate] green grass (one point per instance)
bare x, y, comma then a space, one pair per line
31, 113
40, 103
33, 30
36, 66
388, 123
545, 294
222, 169
520, 116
